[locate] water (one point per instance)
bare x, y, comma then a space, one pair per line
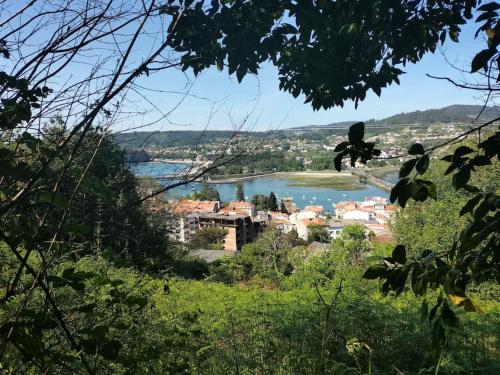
392, 177
302, 195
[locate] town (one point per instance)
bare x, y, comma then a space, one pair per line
242, 223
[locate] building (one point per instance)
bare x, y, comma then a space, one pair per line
240, 208
363, 215
191, 206
303, 226
342, 207
240, 228
186, 214
335, 227
318, 210
288, 206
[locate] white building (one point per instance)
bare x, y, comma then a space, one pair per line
357, 215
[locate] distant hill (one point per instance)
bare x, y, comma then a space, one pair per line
458, 113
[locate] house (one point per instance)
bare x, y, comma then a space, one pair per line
187, 226
318, 210
357, 214
240, 228
342, 207
240, 208
288, 205
303, 226
186, 213
185, 206
335, 227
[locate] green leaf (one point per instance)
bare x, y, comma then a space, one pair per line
482, 210
55, 198
397, 189
399, 254
110, 349
422, 164
448, 316
481, 60
356, 132
424, 310
489, 7
341, 146
338, 160
469, 206
481, 161
461, 151
407, 167
416, 149
461, 178
375, 271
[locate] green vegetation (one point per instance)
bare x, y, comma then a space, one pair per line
265, 203
273, 202
240, 194
209, 238
91, 279
207, 193
331, 181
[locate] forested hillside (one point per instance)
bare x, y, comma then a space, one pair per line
455, 114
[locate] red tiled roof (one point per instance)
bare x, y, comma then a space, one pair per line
188, 205
314, 208
232, 211
308, 222
240, 204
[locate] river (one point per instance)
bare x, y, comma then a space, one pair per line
282, 187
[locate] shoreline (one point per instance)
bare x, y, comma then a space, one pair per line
315, 174
372, 179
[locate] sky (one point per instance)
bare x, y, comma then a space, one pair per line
268, 108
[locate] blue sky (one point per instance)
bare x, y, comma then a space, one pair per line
269, 108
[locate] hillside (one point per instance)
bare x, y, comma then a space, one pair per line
452, 114
458, 113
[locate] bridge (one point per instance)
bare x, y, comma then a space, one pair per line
384, 185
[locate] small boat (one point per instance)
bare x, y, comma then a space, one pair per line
314, 198
329, 199
344, 195
193, 189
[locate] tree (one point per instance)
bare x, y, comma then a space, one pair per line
269, 254
273, 202
261, 202
207, 193
318, 233
240, 194
209, 238
357, 46
355, 241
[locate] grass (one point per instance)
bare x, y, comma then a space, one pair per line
334, 182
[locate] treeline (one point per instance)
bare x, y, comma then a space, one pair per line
266, 161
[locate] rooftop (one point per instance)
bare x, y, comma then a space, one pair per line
314, 208
210, 215
188, 205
